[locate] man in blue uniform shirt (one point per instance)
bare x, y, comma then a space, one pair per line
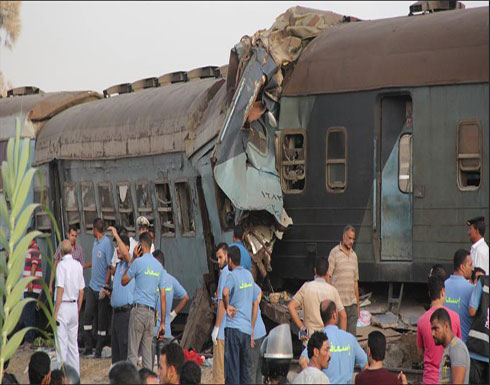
121, 300
346, 351
239, 297
97, 302
245, 260
459, 289
149, 283
173, 290
218, 334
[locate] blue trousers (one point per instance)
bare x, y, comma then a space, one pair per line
237, 345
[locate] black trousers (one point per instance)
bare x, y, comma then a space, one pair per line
479, 372
119, 336
100, 309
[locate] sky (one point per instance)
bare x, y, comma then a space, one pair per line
95, 45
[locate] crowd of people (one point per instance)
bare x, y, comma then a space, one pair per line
130, 287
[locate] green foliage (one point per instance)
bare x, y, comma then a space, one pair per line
15, 218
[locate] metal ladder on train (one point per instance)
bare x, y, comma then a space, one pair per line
395, 300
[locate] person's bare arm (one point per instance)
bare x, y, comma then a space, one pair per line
125, 278
303, 362
120, 244
293, 310
458, 373
472, 311
59, 297
163, 307
255, 311
221, 314
51, 279
230, 310
87, 265
343, 319
181, 304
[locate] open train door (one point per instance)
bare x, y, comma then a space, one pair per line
395, 178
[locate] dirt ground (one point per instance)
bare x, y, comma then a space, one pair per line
93, 371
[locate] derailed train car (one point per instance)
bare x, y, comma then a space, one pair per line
381, 124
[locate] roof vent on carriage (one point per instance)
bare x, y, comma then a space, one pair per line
144, 83
173, 77
22, 91
426, 6
118, 89
223, 70
204, 72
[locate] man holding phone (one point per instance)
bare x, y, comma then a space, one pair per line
149, 283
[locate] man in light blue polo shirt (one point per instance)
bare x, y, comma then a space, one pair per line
346, 351
149, 283
173, 290
459, 289
121, 300
97, 302
218, 334
245, 260
259, 335
239, 297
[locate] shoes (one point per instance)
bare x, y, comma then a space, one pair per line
98, 354
87, 352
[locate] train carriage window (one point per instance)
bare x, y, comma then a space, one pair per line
469, 149
164, 208
336, 159
88, 205
405, 163
144, 201
41, 218
125, 204
186, 214
292, 162
71, 204
106, 199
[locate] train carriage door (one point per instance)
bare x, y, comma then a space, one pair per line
396, 178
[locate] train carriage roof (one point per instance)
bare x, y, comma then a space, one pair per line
37, 108
448, 47
147, 122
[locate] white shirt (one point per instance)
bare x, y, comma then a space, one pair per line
69, 276
311, 375
479, 255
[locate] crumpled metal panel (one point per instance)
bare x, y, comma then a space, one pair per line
37, 108
148, 122
442, 48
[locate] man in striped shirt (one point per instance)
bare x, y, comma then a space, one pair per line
343, 274
32, 267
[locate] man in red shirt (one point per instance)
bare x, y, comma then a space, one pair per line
375, 373
32, 267
425, 343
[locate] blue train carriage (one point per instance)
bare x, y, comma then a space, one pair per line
33, 108
387, 121
144, 150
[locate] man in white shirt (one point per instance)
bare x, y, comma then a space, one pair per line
319, 356
479, 248
69, 297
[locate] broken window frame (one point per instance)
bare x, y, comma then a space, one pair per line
71, 210
41, 196
405, 168
184, 231
108, 214
336, 189
461, 157
285, 163
130, 224
221, 202
165, 208
88, 225
146, 211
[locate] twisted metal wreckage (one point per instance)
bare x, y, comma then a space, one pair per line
247, 146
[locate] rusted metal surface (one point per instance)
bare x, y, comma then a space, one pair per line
148, 122
37, 108
441, 48
277, 312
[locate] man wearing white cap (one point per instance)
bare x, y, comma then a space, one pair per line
143, 227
